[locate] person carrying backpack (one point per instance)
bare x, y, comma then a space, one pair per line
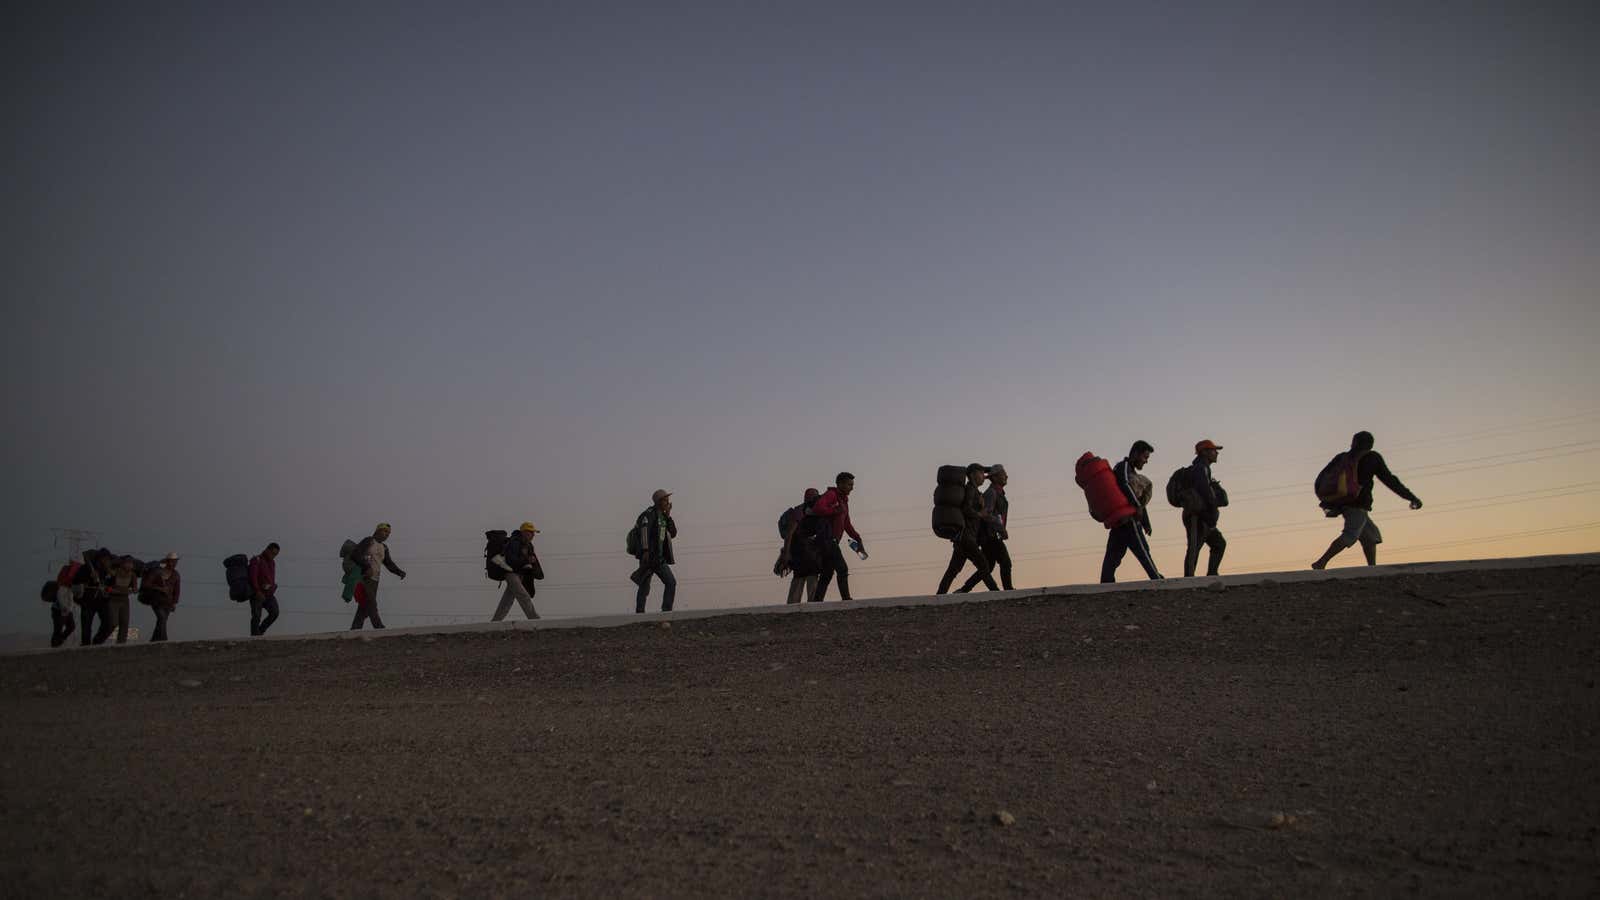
92, 577
1204, 499
521, 566
1352, 497
1130, 532
371, 556
159, 590
964, 546
993, 535
799, 554
264, 590
62, 598
832, 512
650, 541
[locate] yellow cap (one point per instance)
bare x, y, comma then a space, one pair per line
528, 526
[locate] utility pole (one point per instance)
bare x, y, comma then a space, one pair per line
74, 539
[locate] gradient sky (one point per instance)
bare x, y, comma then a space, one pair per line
281, 272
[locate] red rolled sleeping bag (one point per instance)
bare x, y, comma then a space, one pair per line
1107, 503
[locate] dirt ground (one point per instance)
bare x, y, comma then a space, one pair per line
1414, 734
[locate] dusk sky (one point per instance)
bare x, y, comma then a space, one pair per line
283, 272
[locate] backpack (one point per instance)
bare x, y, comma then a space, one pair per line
48, 592
1179, 493
785, 520
1339, 482
634, 549
237, 571
494, 544
347, 548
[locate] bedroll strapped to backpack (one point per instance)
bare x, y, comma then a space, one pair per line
236, 568
1339, 482
1107, 504
948, 519
494, 544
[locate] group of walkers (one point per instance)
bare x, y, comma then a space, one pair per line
103, 584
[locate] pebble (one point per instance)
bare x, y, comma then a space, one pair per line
1005, 819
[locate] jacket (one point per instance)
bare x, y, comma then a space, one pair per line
1123, 471
519, 555
834, 508
363, 558
263, 576
1372, 467
1204, 490
650, 539
998, 507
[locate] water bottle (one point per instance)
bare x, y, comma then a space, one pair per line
856, 546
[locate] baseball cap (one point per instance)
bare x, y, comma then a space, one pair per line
660, 495
1207, 444
528, 527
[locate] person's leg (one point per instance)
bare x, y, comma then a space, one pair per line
85, 628
61, 626
1219, 546
669, 586
643, 593
1370, 538
255, 616
361, 615
1141, 550
1194, 531
123, 614
1116, 546
505, 600
524, 594
271, 606
372, 606
957, 560
811, 587
796, 583
1001, 557
107, 624
160, 633
982, 568
833, 566
841, 574
1355, 522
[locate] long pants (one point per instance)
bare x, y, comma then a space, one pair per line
367, 607
519, 590
258, 625
1121, 539
669, 585
160, 634
808, 583
91, 608
62, 625
965, 549
1201, 530
113, 616
995, 551
833, 567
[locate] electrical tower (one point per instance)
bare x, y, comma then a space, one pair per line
74, 539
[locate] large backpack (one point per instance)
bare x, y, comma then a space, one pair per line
1339, 482
784, 521
948, 495
494, 544
48, 592
1107, 504
1179, 492
634, 549
236, 568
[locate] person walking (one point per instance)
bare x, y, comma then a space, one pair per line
1203, 502
159, 590
264, 590
522, 568
799, 554
67, 592
92, 578
832, 510
1357, 509
992, 534
372, 555
122, 585
653, 533
1130, 533
965, 546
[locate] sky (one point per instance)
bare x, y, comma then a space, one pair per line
278, 273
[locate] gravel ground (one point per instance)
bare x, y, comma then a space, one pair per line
1430, 734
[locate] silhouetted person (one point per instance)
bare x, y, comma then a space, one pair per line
832, 510
993, 534
92, 577
159, 590
964, 547
373, 556
799, 553
264, 590
122, 585
655, 531
1202, 510
518, 559
1357, 512
1130, 533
